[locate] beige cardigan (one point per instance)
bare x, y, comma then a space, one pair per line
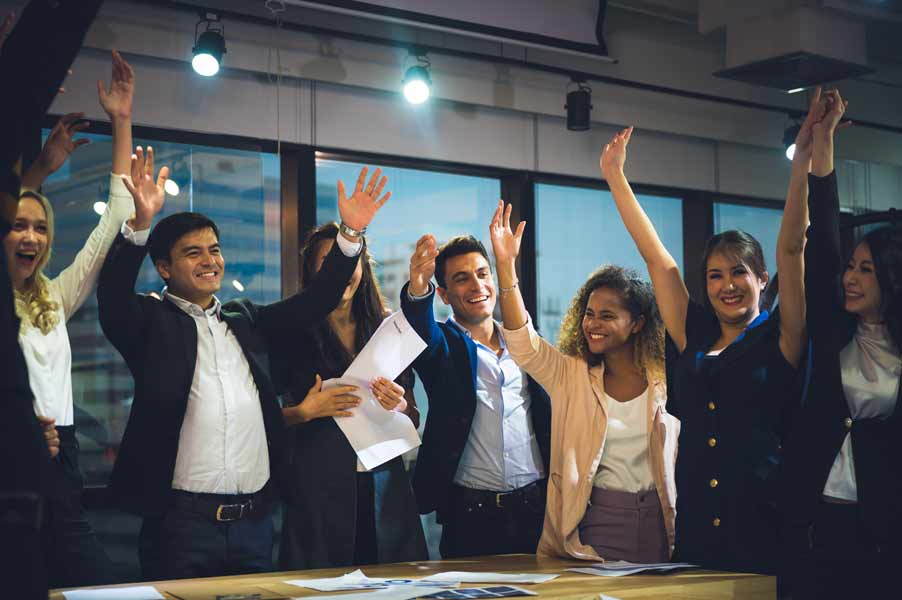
578, 428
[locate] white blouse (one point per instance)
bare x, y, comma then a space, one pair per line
870, 367
49, 357
624, 462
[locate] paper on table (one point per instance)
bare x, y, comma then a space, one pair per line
494, 591
477, 577
357, 580
378, 435
606, 597
138, 592
619, 568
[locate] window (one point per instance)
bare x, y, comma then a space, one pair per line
238, 189
578, 230
761, 223
443, 204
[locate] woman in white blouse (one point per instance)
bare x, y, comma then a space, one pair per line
73, 554
611, 490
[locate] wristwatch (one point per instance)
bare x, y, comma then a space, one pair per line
350, 232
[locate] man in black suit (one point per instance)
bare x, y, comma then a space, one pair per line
205, 430
484, 459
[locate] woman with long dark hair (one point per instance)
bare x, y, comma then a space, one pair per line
844, 464
732, 368
613, 445
337, 513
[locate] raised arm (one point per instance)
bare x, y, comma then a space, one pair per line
417, 297
60, 145
117, 103
670, 291
791, 240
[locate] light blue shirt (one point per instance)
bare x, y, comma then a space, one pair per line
501, 453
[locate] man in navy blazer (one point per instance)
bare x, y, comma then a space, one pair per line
203, 439
484, 458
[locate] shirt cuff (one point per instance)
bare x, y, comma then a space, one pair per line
137, 238
428, 293
348, 248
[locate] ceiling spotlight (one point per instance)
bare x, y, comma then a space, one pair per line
417, 83
789, 139
579, 106
209, 46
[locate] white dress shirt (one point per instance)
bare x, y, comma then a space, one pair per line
49, 357
624, 461
501, 453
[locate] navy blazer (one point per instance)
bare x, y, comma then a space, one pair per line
448, 370
158, 341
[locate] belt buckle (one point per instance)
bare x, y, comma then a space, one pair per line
222, 512
498, 496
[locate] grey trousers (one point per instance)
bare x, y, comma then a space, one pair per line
625, 526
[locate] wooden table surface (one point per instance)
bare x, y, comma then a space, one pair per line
690, 583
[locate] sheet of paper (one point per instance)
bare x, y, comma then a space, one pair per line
138, 592
378, 435
357, 580
477, 577
606, 597
393, 592
620, 568
495, 591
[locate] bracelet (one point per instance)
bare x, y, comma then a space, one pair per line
505, 290
349, 231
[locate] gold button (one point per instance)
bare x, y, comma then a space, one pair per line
712, 442
713, 483
711, 406
716, 522
848, 423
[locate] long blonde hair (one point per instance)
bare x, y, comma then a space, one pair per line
34, 306
639, 299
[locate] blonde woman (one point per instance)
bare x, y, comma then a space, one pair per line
611, 489
74, 556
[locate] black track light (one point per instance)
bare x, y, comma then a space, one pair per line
209, 46
579, 106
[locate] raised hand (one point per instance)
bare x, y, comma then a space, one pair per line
835, 109
358, 210
422, 265
149, 195
389, 394
805, 138
319, 403
61, 142
505, 241
614, 155
117, 101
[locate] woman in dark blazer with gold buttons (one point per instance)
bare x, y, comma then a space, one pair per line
731, 365
843, 491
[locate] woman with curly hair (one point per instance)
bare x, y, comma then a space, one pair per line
337, 513
613, 446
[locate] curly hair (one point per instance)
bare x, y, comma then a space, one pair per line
638, 298
34, 306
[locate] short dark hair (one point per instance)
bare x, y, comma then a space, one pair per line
461, 244
737, 245
168, 231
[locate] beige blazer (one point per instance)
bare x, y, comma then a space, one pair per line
578, 429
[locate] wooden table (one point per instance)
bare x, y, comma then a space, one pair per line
686, 584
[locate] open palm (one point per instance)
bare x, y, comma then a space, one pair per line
358, 210
505, 241
149, 195
117, 101
613, 157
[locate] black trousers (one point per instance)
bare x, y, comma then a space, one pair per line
843, 559
188, 541
478, 522
73, 554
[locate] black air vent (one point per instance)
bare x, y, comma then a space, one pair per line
799, 69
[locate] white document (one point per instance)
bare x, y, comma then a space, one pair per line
476, 577
378, 435
606, 597
392, 592
357, 580
619, 568
138, 592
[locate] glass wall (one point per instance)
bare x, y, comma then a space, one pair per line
760, 222
578, 230
239, 190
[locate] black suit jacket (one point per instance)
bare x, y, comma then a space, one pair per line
159, 344
448, 370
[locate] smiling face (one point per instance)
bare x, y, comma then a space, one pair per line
322, 250
27, 244
607, 324
469, 288
195, 267
733, 289
860, 285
